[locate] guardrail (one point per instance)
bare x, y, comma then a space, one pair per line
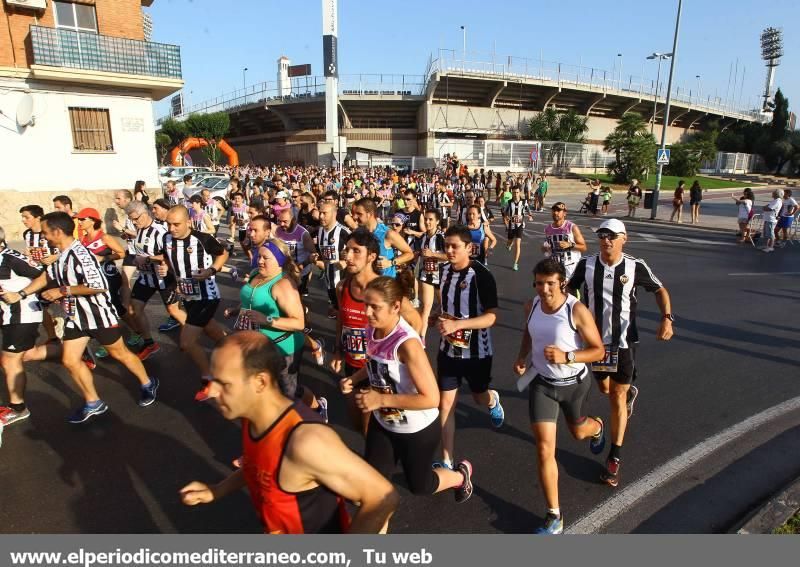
60, 47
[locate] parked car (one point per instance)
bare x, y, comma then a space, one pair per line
176, 173
218, 185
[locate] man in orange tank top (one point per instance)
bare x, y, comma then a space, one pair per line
297, 470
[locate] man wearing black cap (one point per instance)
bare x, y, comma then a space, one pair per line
610, 279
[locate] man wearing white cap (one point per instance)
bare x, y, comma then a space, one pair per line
610, 279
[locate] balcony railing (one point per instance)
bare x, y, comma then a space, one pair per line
60, 47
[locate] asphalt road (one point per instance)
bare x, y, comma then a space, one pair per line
733, 356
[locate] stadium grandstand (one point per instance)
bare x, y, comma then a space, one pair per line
476, 106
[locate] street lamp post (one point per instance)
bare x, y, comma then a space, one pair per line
658, 56
657, 190
698, 85
244, 82
620, 70
464, 52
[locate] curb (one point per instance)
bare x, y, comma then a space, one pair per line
773, 513
660, 222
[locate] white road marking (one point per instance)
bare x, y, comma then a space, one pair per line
647, 236
609, 510
766, 274
713, 242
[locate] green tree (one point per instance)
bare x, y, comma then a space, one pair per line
551, 125
633, 146
212, 128
175, 130
687, 158
163, 145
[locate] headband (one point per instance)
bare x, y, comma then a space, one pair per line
280, 257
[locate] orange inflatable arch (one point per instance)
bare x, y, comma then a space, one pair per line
193, 143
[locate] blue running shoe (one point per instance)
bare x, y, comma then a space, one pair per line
149, 392
88, 411
170, 325
134, 340
553, 525
496, 412
598, 442
441, 465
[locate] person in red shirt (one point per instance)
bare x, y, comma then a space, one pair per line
297, 470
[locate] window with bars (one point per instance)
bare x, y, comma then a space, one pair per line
91, 129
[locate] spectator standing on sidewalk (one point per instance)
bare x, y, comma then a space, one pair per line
770, 215
677, 202
695, 196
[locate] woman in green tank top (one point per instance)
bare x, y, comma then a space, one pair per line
270, 303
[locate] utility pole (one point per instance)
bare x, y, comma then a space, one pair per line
657, 190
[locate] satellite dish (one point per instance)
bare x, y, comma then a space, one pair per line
25, 115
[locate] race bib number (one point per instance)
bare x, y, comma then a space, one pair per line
460, 338
70, 306
244, 322
516, 219
390, 415
355, 342
239, 219
475, 250
292, 246
328, 252
431, 265
609, 363
189, 289
37, 253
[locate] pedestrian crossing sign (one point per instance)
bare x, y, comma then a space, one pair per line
662, 157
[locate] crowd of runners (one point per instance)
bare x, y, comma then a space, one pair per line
397, 254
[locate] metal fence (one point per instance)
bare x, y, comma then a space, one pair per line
519, 155
732, 163
60, 47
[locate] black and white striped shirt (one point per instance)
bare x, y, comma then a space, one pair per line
466, 294
16, 272
610, 294
515, 211
330, 245
149, 241
429, 267
37, 245
77, 266
186, 256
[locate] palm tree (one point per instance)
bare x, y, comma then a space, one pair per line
633, 146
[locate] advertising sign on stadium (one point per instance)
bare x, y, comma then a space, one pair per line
299, 70
177, 104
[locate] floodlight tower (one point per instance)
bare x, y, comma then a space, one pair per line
771, 52
331, 69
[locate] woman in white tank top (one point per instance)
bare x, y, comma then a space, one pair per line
402, 395
560, 337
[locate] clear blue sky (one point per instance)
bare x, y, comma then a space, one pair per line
220, 37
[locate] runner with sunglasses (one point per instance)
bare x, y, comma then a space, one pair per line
610, 279
563, 239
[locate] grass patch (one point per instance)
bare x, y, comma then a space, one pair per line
791, 527
670, 182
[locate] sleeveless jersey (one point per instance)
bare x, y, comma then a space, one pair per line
294, 241
97, 247
429, 267
259, 298
478, 236
388, 253
563, 233
353, 314
388, 375
317, 510
555, 329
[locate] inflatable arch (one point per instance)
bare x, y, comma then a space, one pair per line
193, 143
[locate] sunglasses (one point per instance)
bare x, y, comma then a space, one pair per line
397, 224
607, 235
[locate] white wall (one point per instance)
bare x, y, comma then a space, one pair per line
41, 158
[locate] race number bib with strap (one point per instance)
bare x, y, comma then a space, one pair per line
37, 253
609, 363
516, 219
328, 252
475, 250
70, 306
189, 289
460, 338
244, 321
431, 265
355, 342
292, 246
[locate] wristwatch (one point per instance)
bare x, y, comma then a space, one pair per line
213, 271
669, 316
270, 319
570, 357
22, 294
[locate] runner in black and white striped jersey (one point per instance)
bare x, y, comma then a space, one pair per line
77, 281
431, 252
127, 231
468, 298
441, 200
194, 258
20, 329
515, 211
213, 208
37, 248
610, 279
148, 245
331, 240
